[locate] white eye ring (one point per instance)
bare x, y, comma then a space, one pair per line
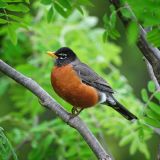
63, 56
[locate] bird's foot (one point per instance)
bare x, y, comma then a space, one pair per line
74, 113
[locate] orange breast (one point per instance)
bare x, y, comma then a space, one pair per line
68, 86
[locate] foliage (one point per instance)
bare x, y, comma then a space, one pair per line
145, 13
11, 17
148, 17
110, 25
6, 149
50, 25
13, 12
152, 109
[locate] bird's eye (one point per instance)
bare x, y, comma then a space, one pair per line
63, 56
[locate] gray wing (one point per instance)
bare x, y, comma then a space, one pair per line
89, 77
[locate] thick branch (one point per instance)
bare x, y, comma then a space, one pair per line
151, 53
50, 103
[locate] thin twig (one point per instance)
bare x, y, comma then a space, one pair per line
49, 102
151, 74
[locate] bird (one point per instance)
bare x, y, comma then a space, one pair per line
79, 85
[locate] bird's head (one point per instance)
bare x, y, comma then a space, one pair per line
63, 56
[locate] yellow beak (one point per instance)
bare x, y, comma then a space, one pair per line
52, 54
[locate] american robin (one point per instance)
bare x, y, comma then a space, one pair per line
79, 85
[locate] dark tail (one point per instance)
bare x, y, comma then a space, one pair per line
123, 111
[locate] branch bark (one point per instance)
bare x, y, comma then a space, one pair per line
50, 103
152, 54
151, 74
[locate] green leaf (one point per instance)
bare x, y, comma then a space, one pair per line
15, 18
144, 95
133, 31
113, 18
65, 4
153, 37
60, 10
109, 24
18, 8
126, 139
154, 107
157, 95
151, 86
46, 2
105, 19
6, 148
134, 146
3, 4
80, 9
143, 148
86, 2
126, 13
50, 14
112, 8
152, 122
105, 36
152, 114
12, 33
3, 86
27, 1
3, 21
113, 33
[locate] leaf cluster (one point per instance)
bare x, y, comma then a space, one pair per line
151, 97
145, 13
11, 17
6, 149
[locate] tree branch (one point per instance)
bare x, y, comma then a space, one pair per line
49, 102
151, 74
152, 54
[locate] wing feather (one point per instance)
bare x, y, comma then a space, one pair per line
89, 77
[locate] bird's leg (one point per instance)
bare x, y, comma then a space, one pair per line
75, 111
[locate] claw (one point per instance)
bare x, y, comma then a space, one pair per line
75, 113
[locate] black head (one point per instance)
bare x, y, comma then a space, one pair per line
64, 56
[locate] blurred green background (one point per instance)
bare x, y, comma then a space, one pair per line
33, 131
